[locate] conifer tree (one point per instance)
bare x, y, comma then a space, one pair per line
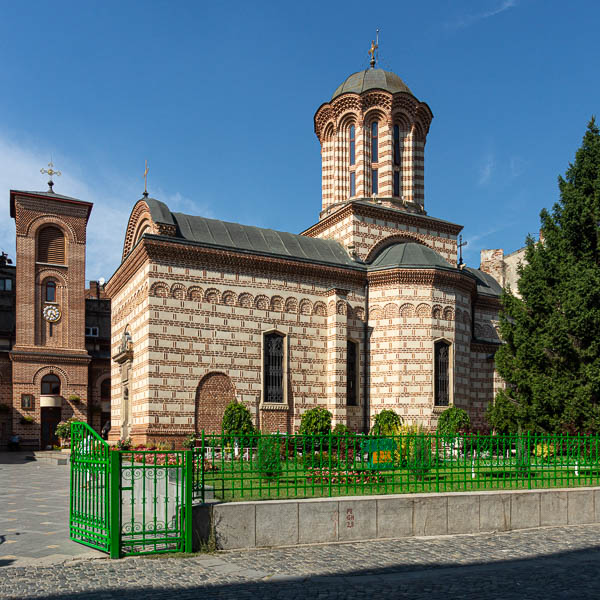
551, 356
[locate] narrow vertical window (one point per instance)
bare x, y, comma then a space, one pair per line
273, 362
396, 145
352, 145
352, 183
374, 145
351, 374
396, 183
442, 373
374, 181
51, 291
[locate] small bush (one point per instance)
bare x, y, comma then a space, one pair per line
387, 422
26, 420
190, 441
269, 456
124, 444
74, 398
419, 456
63, 430
545, 451
407, 432
453, 420
341, 429
315, 421
237, 420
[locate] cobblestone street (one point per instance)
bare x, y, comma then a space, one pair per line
549, 563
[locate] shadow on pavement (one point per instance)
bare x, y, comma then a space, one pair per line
16, 458
561, 575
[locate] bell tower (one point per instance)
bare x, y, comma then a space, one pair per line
50, 361
372, 134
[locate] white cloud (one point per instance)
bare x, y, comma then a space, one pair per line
468, 20
487, 169
112, 194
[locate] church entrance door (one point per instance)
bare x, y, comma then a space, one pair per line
215, 391
50, 419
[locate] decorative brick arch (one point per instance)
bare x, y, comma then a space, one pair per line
159, 289
178, 291
40, 222
403, 238
62, 375
214, 392
140, 215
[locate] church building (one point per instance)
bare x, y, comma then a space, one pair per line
368, 309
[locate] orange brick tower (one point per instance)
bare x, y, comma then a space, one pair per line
49, 357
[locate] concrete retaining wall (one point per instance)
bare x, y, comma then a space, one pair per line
289, 522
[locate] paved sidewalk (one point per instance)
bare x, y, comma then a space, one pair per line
551, 563
34, 512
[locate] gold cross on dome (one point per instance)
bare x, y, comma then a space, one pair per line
374, 47
50, 172
146, 179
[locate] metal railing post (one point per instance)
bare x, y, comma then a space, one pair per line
189, 483
115, 503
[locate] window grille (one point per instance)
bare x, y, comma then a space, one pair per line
442, 374
374, 143
273, 359
51, 246
351, 373
352, 145
352, 183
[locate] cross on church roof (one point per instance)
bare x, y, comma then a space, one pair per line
146, 180
460, 247
50, 172
374, 47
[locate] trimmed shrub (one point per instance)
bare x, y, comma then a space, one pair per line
419, 456
315, 421
453, 420
237, 420
387, 422
269, 456
341, 429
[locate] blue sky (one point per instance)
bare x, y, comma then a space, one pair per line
220, 97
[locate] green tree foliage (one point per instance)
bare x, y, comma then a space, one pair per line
453, 420
237, 420
387, 422
551, 358
315, 421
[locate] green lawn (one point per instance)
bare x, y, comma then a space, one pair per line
239, 480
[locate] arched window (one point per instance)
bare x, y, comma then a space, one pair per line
50, 294
105, 390
397, 161
51, 246
374, 142
352, 145
442, 373
351, 374
50, 385
273, 362
374, 157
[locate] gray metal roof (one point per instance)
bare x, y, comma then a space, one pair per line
486, 284
408, 254
48, 194
213, 232
371, 79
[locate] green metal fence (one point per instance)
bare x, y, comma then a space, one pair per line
129, 502
296, 466
140, 501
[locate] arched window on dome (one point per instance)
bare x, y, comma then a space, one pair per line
397, 161
352, 158
374, 157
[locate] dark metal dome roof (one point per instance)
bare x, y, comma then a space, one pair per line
371, 79
409, 254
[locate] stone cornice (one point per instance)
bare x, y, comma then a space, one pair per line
426, 277
492, 302
131, 265
43, 356
483, 346
378, 212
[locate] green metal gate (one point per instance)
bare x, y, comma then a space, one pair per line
90, 501
129, 502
